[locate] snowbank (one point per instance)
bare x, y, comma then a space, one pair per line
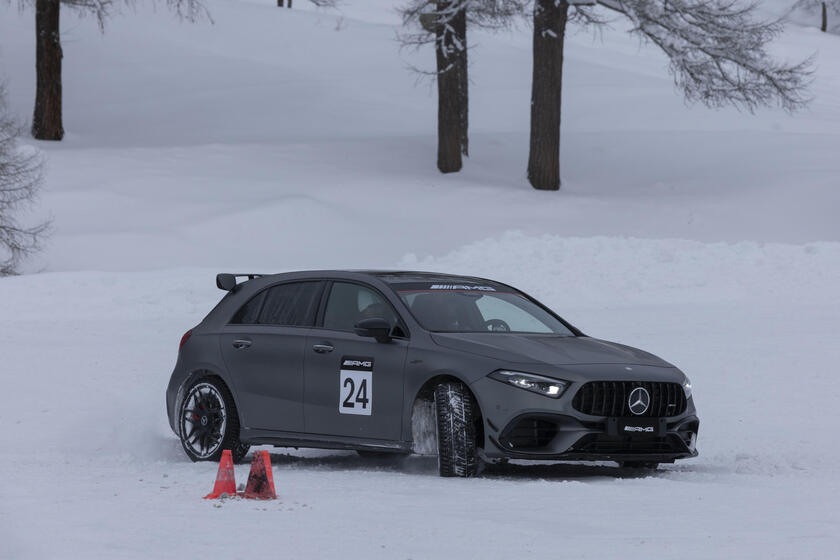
589, 272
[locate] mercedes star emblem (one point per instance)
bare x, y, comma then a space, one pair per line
639, 401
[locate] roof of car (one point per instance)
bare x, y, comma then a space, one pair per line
387, 276
407, 276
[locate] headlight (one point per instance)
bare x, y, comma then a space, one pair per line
535, 383
687, 387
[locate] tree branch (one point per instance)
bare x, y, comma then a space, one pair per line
718, 51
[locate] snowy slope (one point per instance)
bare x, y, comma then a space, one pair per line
271, 121
280, 139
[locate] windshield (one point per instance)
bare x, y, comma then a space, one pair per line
475, 310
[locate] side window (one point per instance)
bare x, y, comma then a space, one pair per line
290, 305
350, 303
250, 312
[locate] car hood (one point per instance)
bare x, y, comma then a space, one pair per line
547, 349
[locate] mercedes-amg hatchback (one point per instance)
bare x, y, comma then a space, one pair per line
400, 362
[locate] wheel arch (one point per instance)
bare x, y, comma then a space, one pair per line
426, 392
194, 375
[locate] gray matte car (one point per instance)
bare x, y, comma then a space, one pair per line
399, 362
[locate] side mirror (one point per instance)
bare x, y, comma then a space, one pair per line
375, 327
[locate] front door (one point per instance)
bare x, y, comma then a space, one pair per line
353, 386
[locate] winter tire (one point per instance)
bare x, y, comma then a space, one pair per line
208, 422
456, 415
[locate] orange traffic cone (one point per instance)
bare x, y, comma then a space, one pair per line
225, 481
261, 481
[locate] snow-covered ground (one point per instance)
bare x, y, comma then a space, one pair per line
281, 139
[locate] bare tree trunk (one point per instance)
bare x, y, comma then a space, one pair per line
46, 121
463, 86
453, 100
547, 85
824, 26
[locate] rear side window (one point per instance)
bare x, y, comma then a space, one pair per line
290, 305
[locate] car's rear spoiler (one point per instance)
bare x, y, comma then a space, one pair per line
227, 281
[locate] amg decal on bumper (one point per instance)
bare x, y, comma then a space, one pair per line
642, 429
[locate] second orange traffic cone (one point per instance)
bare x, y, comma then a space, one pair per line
261, 480
225, 478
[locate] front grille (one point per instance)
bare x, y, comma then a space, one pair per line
609, 398
529, 433
610, 445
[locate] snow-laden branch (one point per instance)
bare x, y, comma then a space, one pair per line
423, 18
718, 51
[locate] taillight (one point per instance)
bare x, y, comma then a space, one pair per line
184, 339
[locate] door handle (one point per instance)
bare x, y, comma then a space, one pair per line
241, 344
323, 348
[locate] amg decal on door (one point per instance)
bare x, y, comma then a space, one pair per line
355, 386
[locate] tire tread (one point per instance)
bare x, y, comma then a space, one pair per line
457, 453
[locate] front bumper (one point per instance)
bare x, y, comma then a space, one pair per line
522, 425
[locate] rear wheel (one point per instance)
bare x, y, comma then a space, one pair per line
456, 422
209, 423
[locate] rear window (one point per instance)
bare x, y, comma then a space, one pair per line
290, 304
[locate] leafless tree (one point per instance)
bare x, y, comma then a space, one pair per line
444, 24
47, 122
21, 175
47, 118
717, 51
189, 10
824, 7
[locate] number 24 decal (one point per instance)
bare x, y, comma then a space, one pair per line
361, 395
355, 393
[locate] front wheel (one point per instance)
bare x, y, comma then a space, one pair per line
456, 415
209, 423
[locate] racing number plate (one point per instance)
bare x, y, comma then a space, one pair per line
355, 386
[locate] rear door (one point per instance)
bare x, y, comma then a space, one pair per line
263, 348
354, 385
